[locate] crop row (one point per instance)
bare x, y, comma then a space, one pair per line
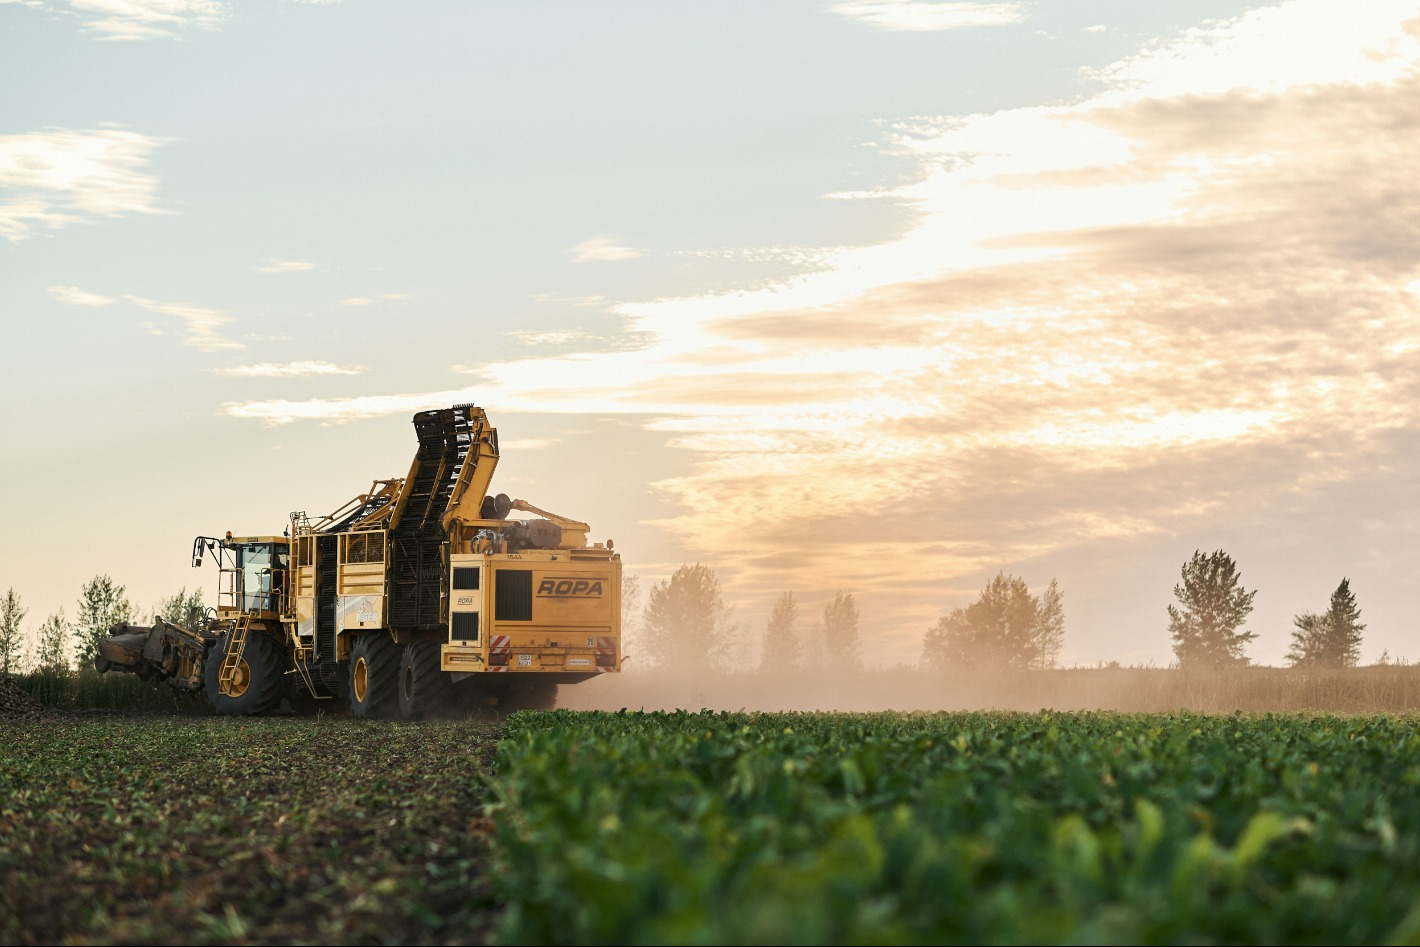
958, 828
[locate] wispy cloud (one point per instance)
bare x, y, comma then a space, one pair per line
340, 410
201, 327
925, 15
528, 443
302, 369
75, 296
138, 19
370, 301
284, 266
551, 337
1188, 296
61, 176
602, 250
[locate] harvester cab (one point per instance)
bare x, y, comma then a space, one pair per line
251, 577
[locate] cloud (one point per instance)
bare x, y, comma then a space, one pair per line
340, 410
304, 369
602, 250
366, 301
138, 19
284, 266
1185, 300
551, 337
62, 176
925, 15
78, 297
200, 326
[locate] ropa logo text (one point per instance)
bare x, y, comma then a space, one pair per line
570, 588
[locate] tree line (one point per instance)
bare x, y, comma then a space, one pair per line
61, 643
686, 622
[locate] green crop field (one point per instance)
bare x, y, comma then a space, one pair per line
590, 827
959, 828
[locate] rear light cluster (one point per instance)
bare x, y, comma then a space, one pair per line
606, 659
498, 659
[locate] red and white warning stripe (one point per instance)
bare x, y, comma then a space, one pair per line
500, 643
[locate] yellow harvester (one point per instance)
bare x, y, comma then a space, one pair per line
421, 594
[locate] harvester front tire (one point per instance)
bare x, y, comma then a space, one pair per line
424, 690
374, 676
259, 683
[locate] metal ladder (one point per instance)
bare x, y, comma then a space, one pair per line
231, 661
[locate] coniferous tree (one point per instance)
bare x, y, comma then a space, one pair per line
1206, 626
1332, 639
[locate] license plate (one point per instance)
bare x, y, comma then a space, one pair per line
525, 660
579, 662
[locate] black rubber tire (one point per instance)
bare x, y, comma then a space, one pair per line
265, 680
528, 693
425, 691
374, 676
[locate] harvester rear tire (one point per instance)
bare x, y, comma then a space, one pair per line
259, 683
374, 676
425, 691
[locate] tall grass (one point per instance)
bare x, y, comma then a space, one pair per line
87, 689
1375, 689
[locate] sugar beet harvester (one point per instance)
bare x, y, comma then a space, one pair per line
417, 595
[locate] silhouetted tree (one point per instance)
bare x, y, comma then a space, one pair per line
630, 610
840, 633
12, 638
1050, 630
782, 650
686, 622
102, 602
1213, 607
181, 608
52, 653
1332, 639
1006, 628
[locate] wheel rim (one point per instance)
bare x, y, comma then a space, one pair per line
360, 678
240, 681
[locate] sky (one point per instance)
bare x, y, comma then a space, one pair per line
875, 296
